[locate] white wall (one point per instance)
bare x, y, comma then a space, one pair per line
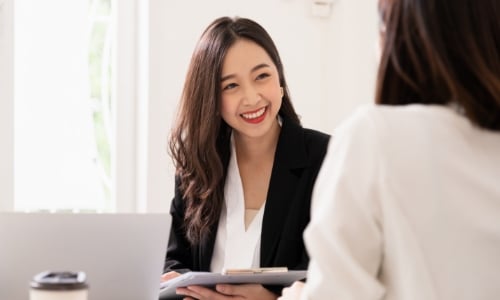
329, 64
6, 107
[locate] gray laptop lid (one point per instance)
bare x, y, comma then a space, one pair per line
122, 254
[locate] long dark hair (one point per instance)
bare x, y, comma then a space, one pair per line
440, 52
199, 142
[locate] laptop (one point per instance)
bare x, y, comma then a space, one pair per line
121, 254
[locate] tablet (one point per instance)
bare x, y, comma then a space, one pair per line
208, 279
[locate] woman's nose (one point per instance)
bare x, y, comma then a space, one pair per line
251, 95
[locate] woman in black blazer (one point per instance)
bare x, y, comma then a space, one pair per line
237, 124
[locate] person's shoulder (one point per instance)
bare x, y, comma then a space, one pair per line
305, 135
316, 136
315, 140
402, 111
363, 127
373, 115
399, 126
316, 143
359, 120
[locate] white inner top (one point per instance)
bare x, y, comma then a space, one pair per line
238, 236
250, 214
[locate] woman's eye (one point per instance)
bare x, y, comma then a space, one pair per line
229, 86
262, 76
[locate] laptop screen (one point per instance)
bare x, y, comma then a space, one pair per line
121, 254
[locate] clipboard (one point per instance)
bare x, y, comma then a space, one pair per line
266, 276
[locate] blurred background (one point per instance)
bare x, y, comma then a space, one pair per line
89, 89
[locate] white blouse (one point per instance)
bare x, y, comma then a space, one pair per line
236, 246
406, 207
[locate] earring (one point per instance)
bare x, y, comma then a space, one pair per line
282, 92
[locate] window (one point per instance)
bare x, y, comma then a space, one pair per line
62, 129
82, 134
68, 109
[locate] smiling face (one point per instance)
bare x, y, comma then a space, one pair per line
250, 90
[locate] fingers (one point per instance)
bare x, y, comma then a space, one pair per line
227, 291
187, 292
245, 291
169, 275
201, 293
237, 290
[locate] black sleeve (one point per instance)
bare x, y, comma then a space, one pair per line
178, 257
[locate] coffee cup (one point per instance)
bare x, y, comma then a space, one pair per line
64, 285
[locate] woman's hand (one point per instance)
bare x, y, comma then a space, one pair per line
168, 276
293, 292
227, 291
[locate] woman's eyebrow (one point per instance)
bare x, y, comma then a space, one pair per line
257, 67
260, 66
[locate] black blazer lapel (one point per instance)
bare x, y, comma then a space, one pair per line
289, 160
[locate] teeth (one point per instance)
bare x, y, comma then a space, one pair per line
254, 115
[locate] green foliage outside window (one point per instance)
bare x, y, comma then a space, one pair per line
100, 80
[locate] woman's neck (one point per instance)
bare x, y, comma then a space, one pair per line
255, 149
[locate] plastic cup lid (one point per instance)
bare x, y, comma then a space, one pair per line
50, 280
